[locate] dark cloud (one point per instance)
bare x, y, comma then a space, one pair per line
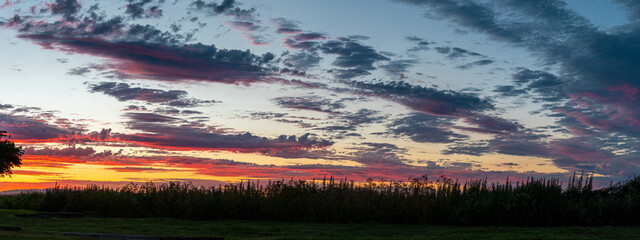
470, 14
304, 41
5, 106
540, 85
149, 34
491, 124
79, 71
361, 117
175, 27
524, 76
476, 63
124, 92
156, 62
593, 154
308, 36
398, 67
307, 45
98, 27
520, 148
286, 26
520, 143
226, 7
599, 114
170, 133
548, 87
266, 115
444, 106
66, 8
425, 128
509, 91
244, 20
467, 148
351, 121
414, 39
598, 154
136, 9
190, 112
61, 152
544, 83
349, 73
425, 99
47, 128
26, 109
421, 44
302, 60
22, 127
323, 153
167, 111
354, 58
245, 25
311, 103
300, 123
456, 52
632, 7
369, 153
190, 102
150, 117
145, 52
135, 108
175, 112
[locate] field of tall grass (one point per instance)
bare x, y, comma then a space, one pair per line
534, 202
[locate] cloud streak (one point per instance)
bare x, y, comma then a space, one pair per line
125, 92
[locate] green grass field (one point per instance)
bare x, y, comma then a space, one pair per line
51, 229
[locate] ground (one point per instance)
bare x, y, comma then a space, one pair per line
52, 228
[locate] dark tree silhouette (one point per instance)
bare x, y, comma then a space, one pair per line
9, 155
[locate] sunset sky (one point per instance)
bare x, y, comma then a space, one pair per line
112, 92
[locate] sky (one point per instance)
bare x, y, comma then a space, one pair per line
219, 91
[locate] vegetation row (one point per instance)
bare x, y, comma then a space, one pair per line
534, 202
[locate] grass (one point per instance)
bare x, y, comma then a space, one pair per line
230, 230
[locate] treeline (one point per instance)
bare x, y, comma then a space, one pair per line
534, 202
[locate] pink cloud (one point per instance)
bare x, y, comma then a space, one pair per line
8, 3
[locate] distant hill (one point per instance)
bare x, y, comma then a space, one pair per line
16, 192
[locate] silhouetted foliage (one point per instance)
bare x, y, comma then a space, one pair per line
9, 155
533, 202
